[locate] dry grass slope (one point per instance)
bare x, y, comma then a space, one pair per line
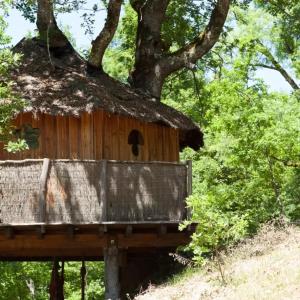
266, 267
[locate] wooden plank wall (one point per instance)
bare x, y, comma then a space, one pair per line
99, 135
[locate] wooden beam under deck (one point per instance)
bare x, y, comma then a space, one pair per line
86, 241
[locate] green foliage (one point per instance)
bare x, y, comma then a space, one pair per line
27, 281
287, 22
16, 146
9, 103
94, 279
185, 19
241, 177
24, 281
247, 173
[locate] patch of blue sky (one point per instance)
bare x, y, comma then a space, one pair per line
18, 27
274, 80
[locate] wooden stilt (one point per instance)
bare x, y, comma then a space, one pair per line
83, 280
112, 283
56, 288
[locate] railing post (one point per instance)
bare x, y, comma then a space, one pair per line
103, 187
43, 190
189, 184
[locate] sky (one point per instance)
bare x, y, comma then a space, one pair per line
18, 27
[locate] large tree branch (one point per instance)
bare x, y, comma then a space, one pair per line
47, 26
102, 41
153, 63
267, 53
191, 52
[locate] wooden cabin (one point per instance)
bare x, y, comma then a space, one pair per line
94, 135
102, 170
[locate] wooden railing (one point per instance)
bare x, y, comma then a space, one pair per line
85, 192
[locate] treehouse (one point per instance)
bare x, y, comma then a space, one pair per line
101, 178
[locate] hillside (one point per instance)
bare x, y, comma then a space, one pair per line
266, 267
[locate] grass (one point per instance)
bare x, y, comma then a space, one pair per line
266, 267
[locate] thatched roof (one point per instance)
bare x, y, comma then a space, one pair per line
60, 85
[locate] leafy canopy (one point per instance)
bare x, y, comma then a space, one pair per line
9, 103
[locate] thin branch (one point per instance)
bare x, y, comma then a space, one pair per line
196, 49
220, 263
100, 44
275, 185
265, 66
288, 163
90, 9
267, 53
280, 7
48, 50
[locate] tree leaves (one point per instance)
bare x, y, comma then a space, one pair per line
237, 182
9, 103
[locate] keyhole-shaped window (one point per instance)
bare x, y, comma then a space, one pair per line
135, 139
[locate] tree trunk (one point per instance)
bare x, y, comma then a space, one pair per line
147, 74
46, 24
149, 79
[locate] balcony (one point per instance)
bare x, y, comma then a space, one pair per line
54, 192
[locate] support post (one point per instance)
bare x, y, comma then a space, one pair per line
43, 189
112, 283
103, 196
189, 184
83, 280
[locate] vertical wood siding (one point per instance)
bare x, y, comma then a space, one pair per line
98, 135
